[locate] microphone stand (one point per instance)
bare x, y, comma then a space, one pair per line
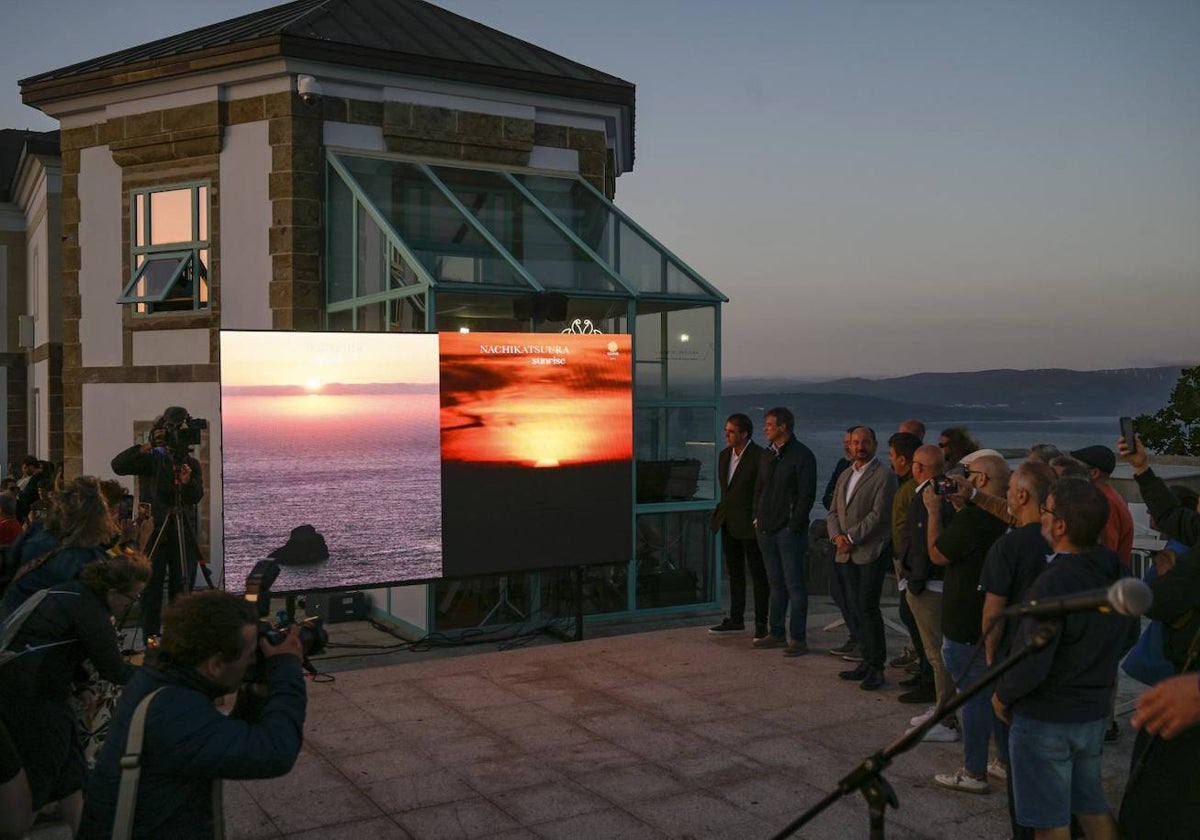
867, 777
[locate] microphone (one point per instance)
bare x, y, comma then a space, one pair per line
1128, 597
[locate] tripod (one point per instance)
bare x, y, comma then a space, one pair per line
177, 525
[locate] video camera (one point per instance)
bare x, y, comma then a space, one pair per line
178, 436
313, 636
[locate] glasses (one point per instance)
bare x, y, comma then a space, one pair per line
1047, 510
970, 472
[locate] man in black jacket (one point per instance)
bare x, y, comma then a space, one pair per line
210, 641
784, 493
1056, 702
1162, 798
172, 477
737, 469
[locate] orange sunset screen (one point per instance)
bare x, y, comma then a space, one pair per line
535, 399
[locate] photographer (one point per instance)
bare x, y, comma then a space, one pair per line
1162, 798
173, 478
65, 626
210, 639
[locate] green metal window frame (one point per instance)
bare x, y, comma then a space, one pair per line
148, 253
186, 261
705, 295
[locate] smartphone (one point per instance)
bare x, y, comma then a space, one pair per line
125, 507
1127, 433
144, 510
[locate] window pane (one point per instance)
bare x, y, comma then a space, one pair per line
407, 314
202, 193
674, 559
639, 262
543, 250
170, 216
370, 253
204, 279
139, 220
579, 209
156, 276
401, 275
370, 318
470, 602
441, 238
676, 352
478, 313
604, 590
338, 261
342, 321
676, 454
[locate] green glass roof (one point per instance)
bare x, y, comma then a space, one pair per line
474, 228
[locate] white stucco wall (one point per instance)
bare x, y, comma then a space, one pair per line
171, 347
109, 413
365, 138
100, 280
245, 228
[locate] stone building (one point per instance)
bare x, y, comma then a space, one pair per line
206, 179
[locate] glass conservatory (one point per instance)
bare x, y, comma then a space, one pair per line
415, 246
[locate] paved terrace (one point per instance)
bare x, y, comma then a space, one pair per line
671, 733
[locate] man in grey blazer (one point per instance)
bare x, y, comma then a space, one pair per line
860, 528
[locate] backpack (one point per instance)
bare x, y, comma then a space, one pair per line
12, 626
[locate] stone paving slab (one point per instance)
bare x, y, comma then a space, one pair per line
662, 734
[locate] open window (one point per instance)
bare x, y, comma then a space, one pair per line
169, 250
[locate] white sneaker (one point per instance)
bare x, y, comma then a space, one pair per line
959, 780
924, 716
997, 770
942, 734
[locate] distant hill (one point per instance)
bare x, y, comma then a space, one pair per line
1012, 394
844, 409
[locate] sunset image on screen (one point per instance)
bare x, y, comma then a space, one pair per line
533, 400
337, 431
537, 450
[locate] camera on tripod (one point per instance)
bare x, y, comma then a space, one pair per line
313, 636
177, 436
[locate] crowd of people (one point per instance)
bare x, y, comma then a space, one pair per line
967, 537
74, 569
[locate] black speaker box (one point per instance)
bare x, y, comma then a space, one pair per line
335, 607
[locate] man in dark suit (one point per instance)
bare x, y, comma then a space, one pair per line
737, 467
859, 526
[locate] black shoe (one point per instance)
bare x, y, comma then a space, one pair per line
848, 649
873, 681
920, 694
858, 674
1113, 733
760, 631
728, 626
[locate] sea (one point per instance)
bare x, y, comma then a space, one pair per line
1067, 433
364, 470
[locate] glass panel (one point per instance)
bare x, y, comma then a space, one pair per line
202, 193
471, 602
676, 454
370, 255
139, 220
577, 208
204, 278
543, 250
407, 314
674, 554
170, 216
370, 318
479, 313
400, 274
154, 279
340, 221
595, 315
679, 283
681, 342
639, 262
446, 244
342, 321
604, 590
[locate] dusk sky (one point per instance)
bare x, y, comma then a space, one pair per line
879, 187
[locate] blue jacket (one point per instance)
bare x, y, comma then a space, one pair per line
188, 744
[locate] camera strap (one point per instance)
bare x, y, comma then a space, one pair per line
131, 772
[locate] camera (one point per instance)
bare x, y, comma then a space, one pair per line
313, 636
944, 485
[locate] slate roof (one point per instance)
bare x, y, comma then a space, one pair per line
405, 35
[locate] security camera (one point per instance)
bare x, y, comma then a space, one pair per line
308, 88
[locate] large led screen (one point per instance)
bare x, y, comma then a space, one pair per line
364, 459
536, 451
337, 431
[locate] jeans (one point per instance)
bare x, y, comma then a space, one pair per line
841, 599
738, 555
863, 585
1056, 770
978, 719
784, 554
